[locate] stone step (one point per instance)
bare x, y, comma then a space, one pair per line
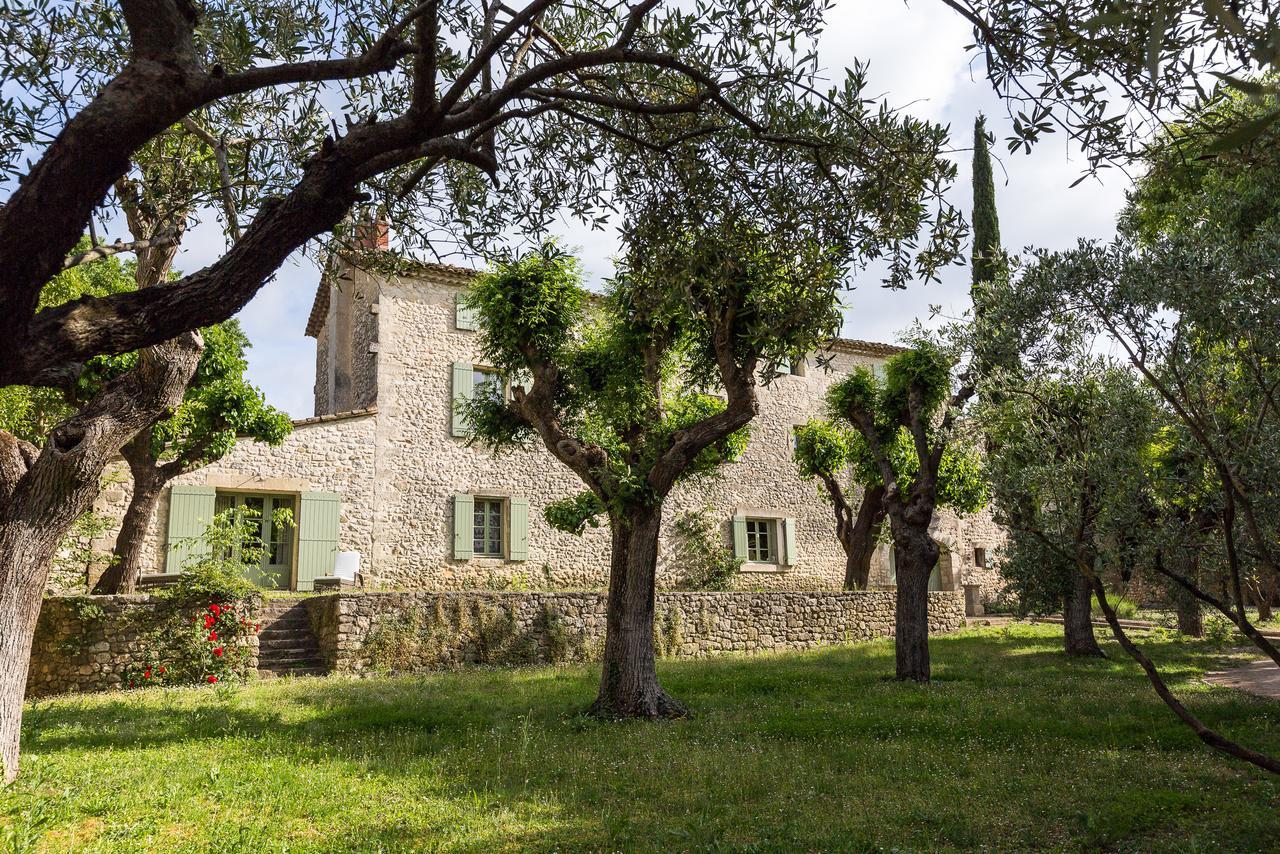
275, 651
292, 661
285, 631
284, 644
316, 670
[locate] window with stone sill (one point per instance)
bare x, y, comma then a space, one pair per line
762, 540
487, 534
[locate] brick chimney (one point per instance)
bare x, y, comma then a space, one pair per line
373, 234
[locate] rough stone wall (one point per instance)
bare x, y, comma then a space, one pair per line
362, 632
88, 643
324, 406
334, 455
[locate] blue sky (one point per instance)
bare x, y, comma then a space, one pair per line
918, 61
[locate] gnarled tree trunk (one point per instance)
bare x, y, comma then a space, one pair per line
41, 496
1077, 619
859, 539
629, 679
148, 484
915, 554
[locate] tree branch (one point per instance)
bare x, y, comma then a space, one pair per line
105, 250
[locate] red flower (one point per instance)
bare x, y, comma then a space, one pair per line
146, 674
257, 627
213, 636
208, 622
161, 670
218, 651
211, 678
215, 609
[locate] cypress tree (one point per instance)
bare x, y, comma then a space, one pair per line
987, 259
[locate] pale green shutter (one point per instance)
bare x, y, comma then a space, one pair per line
463, 389
463, 520
789, 542
190, 512
740, 537
317, 536
464, 317
519, 528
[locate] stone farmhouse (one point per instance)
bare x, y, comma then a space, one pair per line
384, 468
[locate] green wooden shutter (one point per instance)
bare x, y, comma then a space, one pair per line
463, 520
464, 317
190, 512
519, 528
740, 537
789, 542
463, 389
317, 536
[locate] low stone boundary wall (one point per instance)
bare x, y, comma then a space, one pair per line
89, 643
413, 631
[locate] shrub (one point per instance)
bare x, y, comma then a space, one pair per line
707, 562
1126, 609
204, 623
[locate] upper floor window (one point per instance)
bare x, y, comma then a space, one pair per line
980, 558
797, 367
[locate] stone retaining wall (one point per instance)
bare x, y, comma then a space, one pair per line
88, 643
362, 632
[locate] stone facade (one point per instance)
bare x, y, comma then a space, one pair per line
85, 643
387, 343
363, 632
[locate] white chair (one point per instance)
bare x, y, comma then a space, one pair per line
347, 567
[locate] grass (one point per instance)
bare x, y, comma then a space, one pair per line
1011, 747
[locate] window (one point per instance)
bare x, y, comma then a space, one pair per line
274, 569
487, 528
795, 439
796, 367
761, 541
486, 383
980, 558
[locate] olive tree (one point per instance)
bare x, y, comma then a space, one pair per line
1067, 483
735, 256
218, 407
910, 426
1101, 436
835, 456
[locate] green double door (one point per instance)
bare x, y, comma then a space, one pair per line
275, 569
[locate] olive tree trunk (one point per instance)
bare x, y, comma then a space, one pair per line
915, 554
1077, 619
859, 539
42, 494
148, 485
629, 679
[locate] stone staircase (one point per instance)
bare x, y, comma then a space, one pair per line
286, 644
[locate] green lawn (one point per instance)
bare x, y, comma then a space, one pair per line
1012, 747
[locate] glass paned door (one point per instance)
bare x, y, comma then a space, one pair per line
275, 542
